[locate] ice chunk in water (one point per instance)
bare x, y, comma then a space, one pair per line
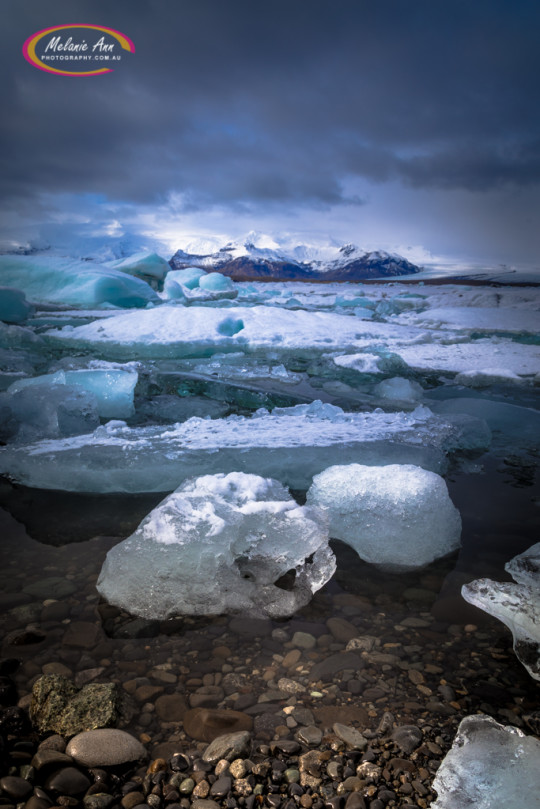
144, 265
52, 411
112, 388
514, 427
399, 389
216, 282
189, 277
14, 308
398, 517
290, 444
221, 544
489, 766
79, 283
516, 605
488, 377
180, 408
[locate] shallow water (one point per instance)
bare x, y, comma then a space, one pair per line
51, 539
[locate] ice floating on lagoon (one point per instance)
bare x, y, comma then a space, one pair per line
489, 766
289, 444
112, 387
77, 283
516, 605
176, 331
219, 544
14, 308
398, 517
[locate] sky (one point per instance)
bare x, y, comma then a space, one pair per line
405, 125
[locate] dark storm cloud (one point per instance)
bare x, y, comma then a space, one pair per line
233, 102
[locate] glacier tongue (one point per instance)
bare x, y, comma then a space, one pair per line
489, 766
290, 444
221, 544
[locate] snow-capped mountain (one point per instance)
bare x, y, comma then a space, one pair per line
262, 258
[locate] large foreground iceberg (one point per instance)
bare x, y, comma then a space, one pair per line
516, 605
489, 766
221, 544
399, 517
51, 279
289, 444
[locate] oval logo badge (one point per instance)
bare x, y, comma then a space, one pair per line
77, 50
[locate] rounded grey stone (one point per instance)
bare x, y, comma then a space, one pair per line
105, 747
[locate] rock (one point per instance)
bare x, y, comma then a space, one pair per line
206, 724
352, 737
310, 735
171, 707
516, 605
326, 715
304, 640
58, 706
106, 747
489, 765
229, 746
407, 737
330, 666
100, 800
16, 788
67, 781
365, 643
341, 629
47, 757
51, 587
399, 517
82, 635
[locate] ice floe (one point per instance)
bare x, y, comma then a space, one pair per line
489, 766
399, 517
289, 444
221, 544
516, 605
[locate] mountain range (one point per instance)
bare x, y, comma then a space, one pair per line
247, 261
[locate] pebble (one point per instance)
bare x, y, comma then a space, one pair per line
310, 735
352, 737
304, 640
106, 747
68, 781
228, 746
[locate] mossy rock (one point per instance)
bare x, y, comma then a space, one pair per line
58, 706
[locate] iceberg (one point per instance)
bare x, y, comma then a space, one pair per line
458, 357
112, 387
290, 444
83, 284
516, 605
398, 517
216, 282
483, 319
174, 331
221, 544
189, 277
14, 308
513, 427
49, 411
489, 766
400, 389
148, 266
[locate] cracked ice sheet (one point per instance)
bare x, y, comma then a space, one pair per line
521, 358
174, 331
289, 444
475, 318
